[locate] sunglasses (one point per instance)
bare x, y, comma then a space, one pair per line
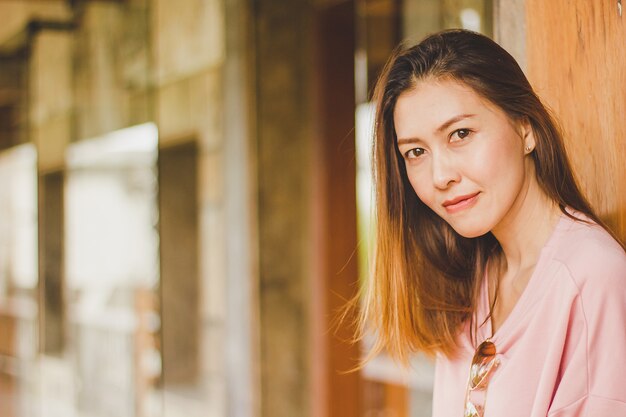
483, 364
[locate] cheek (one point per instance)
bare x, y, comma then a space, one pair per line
496, 161
504, 174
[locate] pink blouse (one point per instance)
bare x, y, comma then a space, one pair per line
562, 350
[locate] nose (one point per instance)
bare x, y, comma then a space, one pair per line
444, 170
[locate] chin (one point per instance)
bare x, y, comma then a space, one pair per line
470, 231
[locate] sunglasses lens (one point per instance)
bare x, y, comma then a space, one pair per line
482, 363
472, 410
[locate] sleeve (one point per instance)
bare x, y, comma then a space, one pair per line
592, 406
604, 307
597, 342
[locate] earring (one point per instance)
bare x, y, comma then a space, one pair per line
528, 148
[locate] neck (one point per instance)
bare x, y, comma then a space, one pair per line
527, 227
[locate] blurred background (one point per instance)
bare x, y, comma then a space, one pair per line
185, 193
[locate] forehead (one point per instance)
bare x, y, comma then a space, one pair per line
434, 101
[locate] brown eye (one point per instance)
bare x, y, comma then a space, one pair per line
414, 153
460, 134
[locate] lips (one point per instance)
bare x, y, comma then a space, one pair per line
460, 203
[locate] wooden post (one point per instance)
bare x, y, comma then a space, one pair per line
335, 393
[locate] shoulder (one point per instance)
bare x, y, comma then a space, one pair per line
593, 266
593, 259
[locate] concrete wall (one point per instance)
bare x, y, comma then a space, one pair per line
284, 144
234, 78
15, 14
111, 67
163, 61
510, 28
203, 92
51, 97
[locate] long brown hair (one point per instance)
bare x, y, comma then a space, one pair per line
425, 277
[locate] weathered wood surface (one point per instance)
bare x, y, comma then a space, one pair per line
577, 62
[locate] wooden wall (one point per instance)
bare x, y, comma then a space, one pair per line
576, 53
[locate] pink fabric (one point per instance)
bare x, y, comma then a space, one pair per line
562, 350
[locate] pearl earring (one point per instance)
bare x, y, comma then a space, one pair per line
528, 148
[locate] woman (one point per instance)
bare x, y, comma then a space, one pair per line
488, 256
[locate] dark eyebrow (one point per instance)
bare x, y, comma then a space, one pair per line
452, 121
440, 129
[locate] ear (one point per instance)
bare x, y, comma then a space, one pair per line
528, 136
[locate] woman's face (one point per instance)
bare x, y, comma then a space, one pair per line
464, 157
